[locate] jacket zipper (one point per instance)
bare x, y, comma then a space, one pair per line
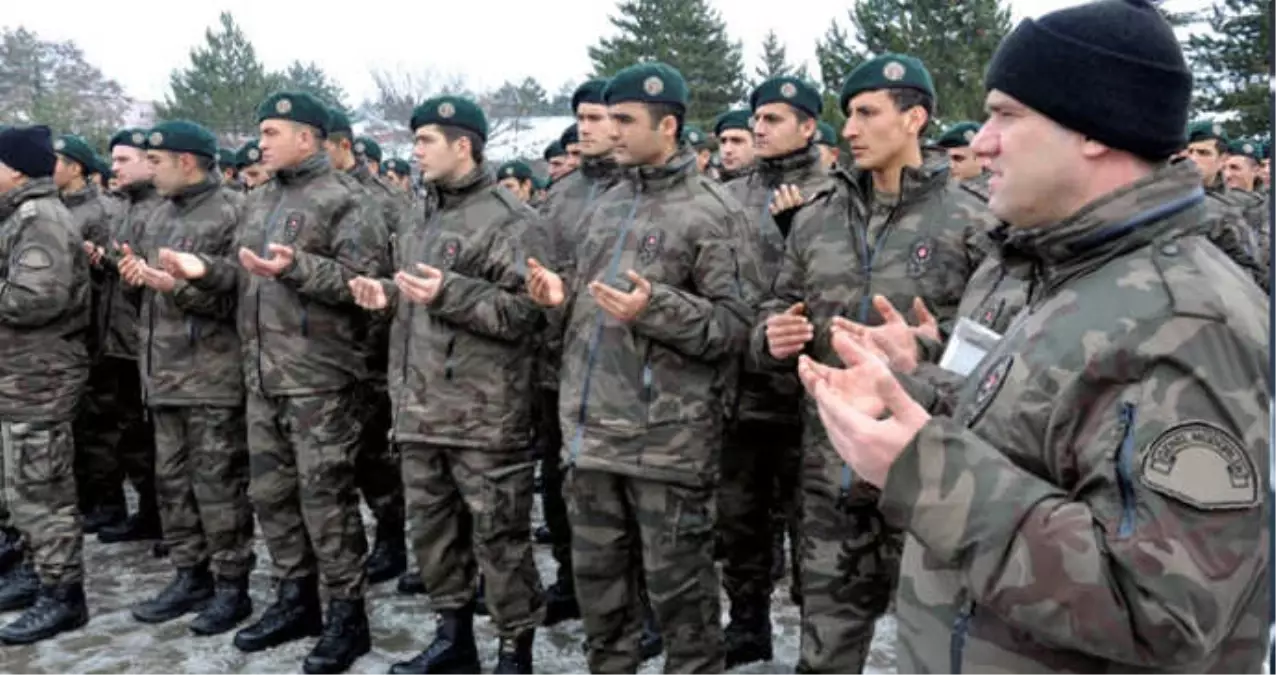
448, 363
261, 336
961, 630
1125, 471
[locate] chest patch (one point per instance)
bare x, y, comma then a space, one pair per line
649, 247
986, 390
449, 252
292, 226
1201, 465
919, 257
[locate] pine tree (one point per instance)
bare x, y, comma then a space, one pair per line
312, 79
222, 86
954, 39
775, 62
1232, 65
686, 34
51, 83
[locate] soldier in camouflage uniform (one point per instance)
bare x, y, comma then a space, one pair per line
44, 365
376, 466
762, 451
302, 237
368, 153
660, 299
251, 170
734, 130
193, 381
894, 226
112, 423
399, 175
556, 157
1233, 228
826, 140
1098, 500
1240, 174
517, 177
461, 360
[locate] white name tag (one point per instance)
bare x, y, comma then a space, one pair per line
967, 346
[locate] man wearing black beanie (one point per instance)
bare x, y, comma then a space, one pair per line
44, 365
1097, 499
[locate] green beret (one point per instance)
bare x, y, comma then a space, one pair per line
651, 82
693, 136
825, 134
571, 136
129, 138
1266, 150
541, 183
733, 119
589, 92
1244, 148
451, 111
554, 149
296, 106
958, 135
248, 155
77, 150
367, 148
790, 90
888, 71
514, 169
101, 166
182, 136
1205, 130
226, 158
398, 166
338, 122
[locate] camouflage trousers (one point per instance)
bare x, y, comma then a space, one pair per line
549, 441
624, 529
376, 466
760, 464
113, 437
850, 569
301, 454
37, 473
201, 478
470, 506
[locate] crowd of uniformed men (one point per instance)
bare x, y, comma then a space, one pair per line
1059, 462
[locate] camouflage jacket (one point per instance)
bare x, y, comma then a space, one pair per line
932, 242
44, 306
978, 186
1098, 500
88, 209
461, 367
569, 198
1257, 214
302, 333
190, 352
1227, 228
645, 399
767, 394
393, 204
117, 312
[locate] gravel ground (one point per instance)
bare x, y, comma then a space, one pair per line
120, 575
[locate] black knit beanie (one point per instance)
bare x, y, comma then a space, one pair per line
28, 150
1111, 70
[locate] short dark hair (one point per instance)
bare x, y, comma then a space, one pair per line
206, 164
454, 133
338, 136
907, 98
659, 111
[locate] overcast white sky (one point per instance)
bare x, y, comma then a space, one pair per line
140, 42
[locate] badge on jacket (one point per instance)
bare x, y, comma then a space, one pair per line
292, 226
450, 252
920, 256
986, 391
649, 247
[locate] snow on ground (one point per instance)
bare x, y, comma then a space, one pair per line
120, 575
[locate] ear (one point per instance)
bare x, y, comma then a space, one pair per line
917, 118
669, 126
807, 129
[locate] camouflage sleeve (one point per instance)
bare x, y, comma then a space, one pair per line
934, 388
1160, 537
1231, 234
497, 309
97, 227
713, 322
212, 305
360, 244
222, 275
37, 289
787, 289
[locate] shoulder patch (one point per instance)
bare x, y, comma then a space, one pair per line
34, 258
1203, 466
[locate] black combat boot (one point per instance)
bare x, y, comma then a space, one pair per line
480, 598
560, 603
12, 549
516, 655
19, 588
295, 614
345, 638
389, 556
59, 609
410, 583
748, 636
542, 536
141, 526
230, 605
189, 591
650, 644
453, 649
103, 516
